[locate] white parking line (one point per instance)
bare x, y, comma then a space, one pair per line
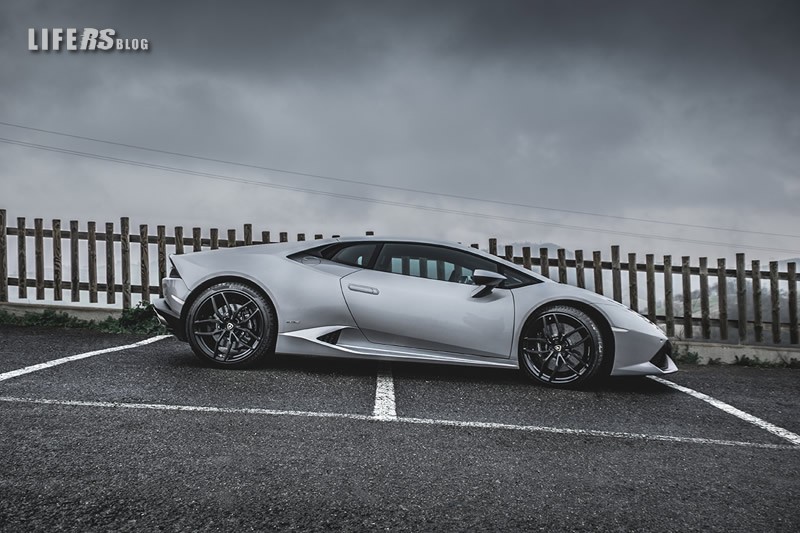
41, 366
763, 424
384, 396
404, 420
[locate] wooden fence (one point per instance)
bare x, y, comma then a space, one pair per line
688, 314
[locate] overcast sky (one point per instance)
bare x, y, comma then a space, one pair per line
683, 112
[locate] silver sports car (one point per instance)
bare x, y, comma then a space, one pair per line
402, 300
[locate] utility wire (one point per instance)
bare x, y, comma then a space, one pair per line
397, 188
487, 216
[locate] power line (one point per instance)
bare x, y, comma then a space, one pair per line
397, 188
235, 179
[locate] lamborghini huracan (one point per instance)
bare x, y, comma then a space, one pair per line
402, 299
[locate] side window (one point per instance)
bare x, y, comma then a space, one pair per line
431, 262
357, 255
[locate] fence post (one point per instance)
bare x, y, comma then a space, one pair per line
650, 268
301, 237
125, 247
111, 290
317, 236
161, 239
248, 234
22, 261
74, 262
633, 282
197, 239
791, 270
38, 245
3, 258
509, 253
562, 265
755, 275
597, 265
231, 238
144, 262
705, 321
265, 237
722, 295
57, 290
178, 240
741, 297
580, 274
91, 248
544, 262
526, 257
283, 236
687, 297
214, 238
776, 302
616, 281
669, 310
493, 246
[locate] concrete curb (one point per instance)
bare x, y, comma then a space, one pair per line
716, 352
83, 313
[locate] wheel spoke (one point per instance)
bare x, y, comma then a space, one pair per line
206, 321
219, 341
536, 352
208, 333
575, 345
534, 339
240, 341
257, 311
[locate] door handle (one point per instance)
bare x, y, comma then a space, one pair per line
363, 288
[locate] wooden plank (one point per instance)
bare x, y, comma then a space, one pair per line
758, 326
3, 258
493, 246
248, 234
74, 262
562, 265
57, 278
741, 298
91, 250
509, 255
705, 324
38, 244
633, 283
580, 274
616, 281
22, 260
669, 311
214, 240
125, 250
687, 297
265, 237
283, 236
197, 239
161, 241
791, 270
544, 262
179, 240
231, 238
651, 286
526, 257
111, 294
597, 265
144, 263
775, 298
722, 298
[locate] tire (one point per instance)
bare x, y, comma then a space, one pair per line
561, 346
231, 325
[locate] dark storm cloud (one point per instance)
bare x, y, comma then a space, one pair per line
652, 109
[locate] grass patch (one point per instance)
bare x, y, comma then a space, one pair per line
140, 319
686, 357
755, 361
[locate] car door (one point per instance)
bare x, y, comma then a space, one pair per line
421, 296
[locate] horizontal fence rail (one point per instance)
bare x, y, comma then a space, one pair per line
672, 292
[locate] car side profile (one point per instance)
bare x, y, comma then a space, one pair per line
402, 300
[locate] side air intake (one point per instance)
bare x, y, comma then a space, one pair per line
330, 338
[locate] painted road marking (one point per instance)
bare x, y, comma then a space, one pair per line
56, 362
763, 424
384, 396
402, 420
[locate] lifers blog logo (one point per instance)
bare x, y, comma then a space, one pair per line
57, 39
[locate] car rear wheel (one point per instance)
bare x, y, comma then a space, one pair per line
561, 346
231, 325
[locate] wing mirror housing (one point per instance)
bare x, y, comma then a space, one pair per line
487, 280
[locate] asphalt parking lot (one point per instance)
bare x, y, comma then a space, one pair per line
146, 438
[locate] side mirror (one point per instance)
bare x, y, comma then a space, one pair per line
487, 280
